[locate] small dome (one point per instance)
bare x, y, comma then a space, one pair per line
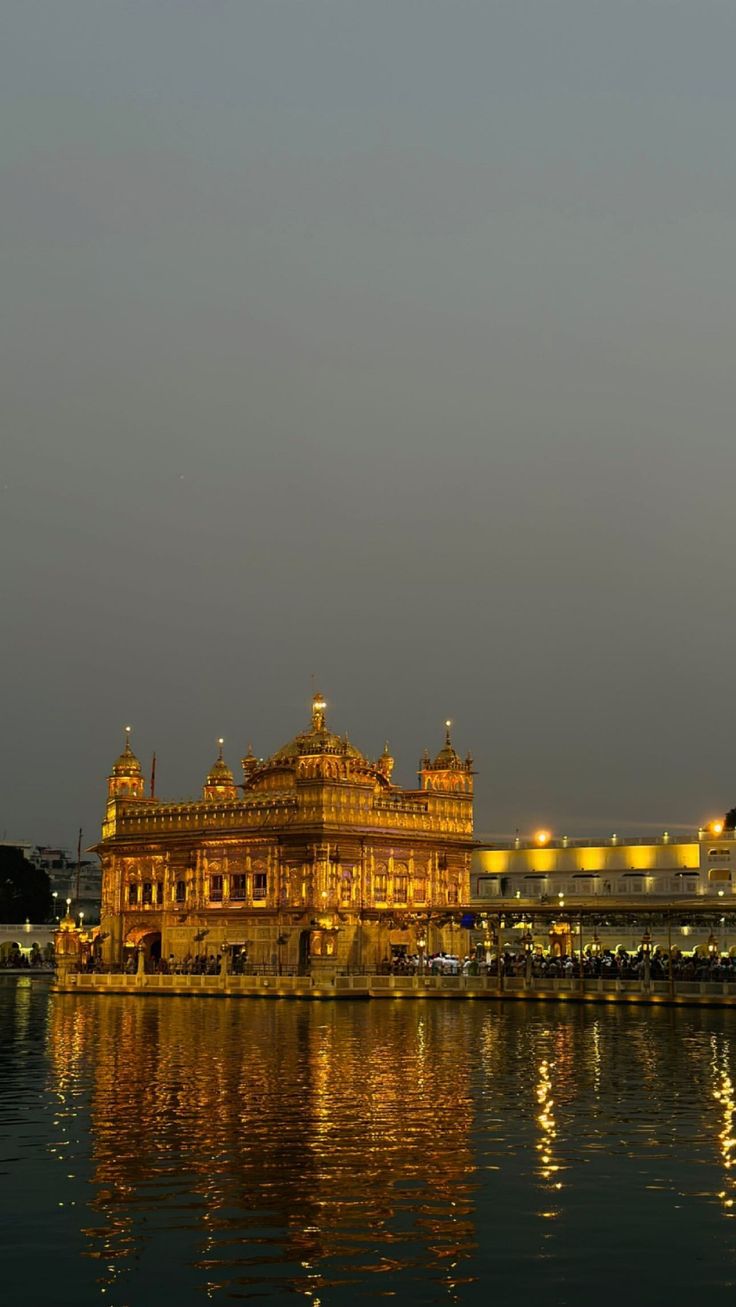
447, 759
127, 764
220, 773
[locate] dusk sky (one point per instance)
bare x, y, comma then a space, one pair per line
390, 344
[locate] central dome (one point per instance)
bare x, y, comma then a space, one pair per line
316, 741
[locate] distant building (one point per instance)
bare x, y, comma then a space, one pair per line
320, 861
616, 869
60, 866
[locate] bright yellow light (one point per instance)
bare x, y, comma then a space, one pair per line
716, 827
542, 836
448, 723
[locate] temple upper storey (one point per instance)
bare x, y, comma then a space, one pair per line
318, 778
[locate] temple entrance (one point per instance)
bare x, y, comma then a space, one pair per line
150, 944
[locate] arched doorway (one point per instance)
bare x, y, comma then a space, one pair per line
151, 945
149, 942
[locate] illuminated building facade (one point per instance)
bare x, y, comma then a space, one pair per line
617, 869
316, 860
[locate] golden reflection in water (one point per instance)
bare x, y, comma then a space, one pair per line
725, 1095
274, 1133
548, 1166
597, 1058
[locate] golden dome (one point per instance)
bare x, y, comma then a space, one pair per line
316, 741
447, 759
220, 773
127, 764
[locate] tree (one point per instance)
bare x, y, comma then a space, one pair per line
729, 821
25, 890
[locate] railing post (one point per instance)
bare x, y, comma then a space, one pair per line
580, 939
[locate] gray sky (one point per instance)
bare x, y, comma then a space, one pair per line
390, 342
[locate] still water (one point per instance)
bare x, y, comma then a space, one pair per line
184, 1150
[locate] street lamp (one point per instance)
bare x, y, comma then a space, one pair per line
68, 907
527, 940
421, 945
81, 920
55, 895
712, 946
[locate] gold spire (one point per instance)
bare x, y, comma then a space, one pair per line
318, 713
386, 762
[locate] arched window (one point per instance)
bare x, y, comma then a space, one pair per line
380, 884
132, 894
147, 892
401, 888
181, 891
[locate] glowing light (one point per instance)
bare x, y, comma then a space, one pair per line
716, 827
542, 836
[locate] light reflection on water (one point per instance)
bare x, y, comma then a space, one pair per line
434, 1151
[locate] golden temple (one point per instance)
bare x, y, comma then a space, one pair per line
315, 861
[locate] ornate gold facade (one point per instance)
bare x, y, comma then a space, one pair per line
315, 860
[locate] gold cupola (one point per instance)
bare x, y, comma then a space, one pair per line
447, 771
385, 764
220, 783
126, 778
250, 765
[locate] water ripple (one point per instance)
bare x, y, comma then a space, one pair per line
224, 1150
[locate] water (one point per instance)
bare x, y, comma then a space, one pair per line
183, 1150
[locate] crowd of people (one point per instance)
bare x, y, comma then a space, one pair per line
604, 964
14, 959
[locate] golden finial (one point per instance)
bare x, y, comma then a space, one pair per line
220, 742
318, 713
448, 724
127, 748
